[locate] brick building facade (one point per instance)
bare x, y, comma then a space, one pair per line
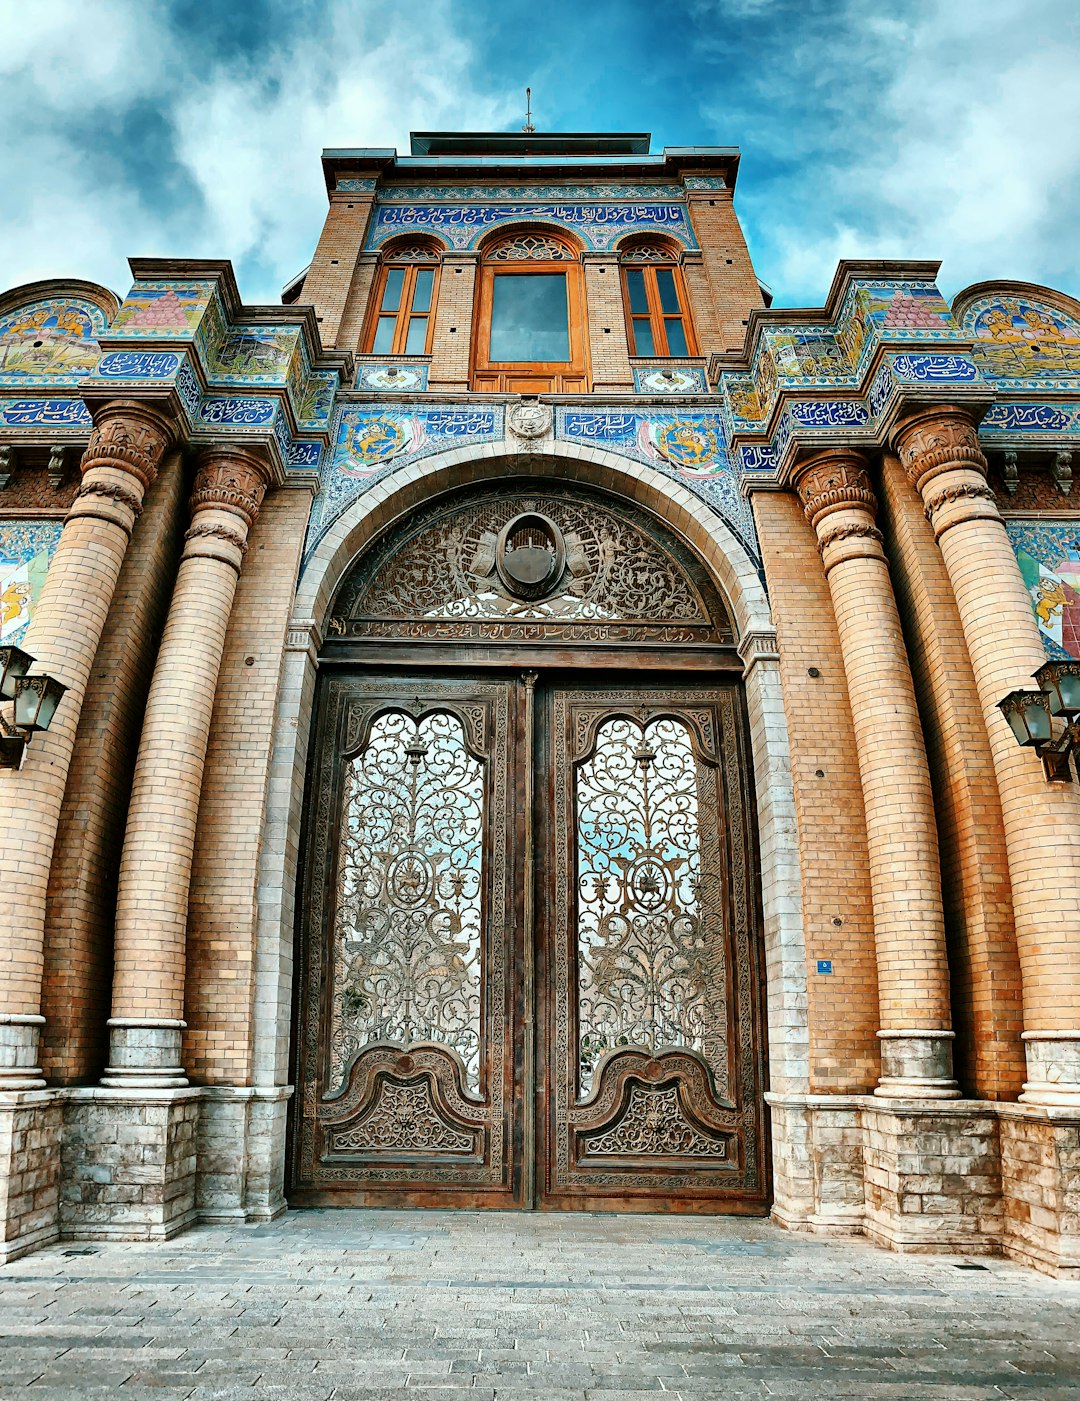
532, 729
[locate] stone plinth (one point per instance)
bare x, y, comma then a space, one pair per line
1040, 1170
30, 1129
129, 1163
241, 1154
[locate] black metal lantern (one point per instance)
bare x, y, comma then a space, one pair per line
14, 662
1028, 714
36, 699
1060, 683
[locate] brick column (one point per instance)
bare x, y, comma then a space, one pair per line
120, 461
155, 868
939, 449
905, 881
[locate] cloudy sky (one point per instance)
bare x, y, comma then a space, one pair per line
192, 128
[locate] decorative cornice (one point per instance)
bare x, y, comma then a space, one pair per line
937, 440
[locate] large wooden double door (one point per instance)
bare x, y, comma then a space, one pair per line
529, 968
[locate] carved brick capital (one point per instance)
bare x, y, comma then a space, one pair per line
836, 480
231, 479
937, 440
131, 437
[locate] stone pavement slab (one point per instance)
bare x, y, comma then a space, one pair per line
441, 1306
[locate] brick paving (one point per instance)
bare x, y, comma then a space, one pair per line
502, 1307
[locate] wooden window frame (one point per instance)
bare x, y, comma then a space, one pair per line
658, 318
404, 311
488, 374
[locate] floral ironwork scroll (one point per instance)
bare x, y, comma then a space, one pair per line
407, 965
650, 932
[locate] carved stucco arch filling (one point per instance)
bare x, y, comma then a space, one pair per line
736, 578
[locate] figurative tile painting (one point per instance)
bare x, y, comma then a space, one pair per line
1048, 553
1018, 338
252, 354
49, 340
26, 548
165, 311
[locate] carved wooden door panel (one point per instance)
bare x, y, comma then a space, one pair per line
648, 971
407, 1014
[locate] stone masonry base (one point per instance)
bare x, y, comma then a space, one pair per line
964, 1176
136, 1164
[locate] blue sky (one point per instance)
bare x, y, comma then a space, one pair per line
944, 129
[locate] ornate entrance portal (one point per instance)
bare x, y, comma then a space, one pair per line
530, 967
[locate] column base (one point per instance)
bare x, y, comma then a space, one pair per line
144, 1054
916, 1065
241, 1153
19, 1036
1053, 1063
129, 1163
1040, 1164
30, 1132
911, 1176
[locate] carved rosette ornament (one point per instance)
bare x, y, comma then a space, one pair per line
530, 420
940, 452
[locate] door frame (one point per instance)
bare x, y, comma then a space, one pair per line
611, 665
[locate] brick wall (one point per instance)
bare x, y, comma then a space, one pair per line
330, 279
609, 347
843, 1006
222, 905
82, 882
451, 342
728, 270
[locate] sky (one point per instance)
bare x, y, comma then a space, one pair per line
943, 129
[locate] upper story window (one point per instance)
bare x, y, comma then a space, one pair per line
403, 308
530, 315
657, 316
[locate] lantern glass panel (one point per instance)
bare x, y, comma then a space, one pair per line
36, 699
14, 662
1061, 683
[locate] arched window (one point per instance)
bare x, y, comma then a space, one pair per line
657, 316
403, 308
530, 322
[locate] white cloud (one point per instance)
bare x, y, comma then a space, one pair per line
952, 133
246, 135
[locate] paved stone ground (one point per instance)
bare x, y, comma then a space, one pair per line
501, 1307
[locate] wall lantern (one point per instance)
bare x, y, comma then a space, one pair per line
34, 699
1047, 719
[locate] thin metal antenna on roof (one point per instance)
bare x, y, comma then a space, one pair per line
528, 127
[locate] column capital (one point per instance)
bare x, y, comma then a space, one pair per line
834, 480
129, 436
939, 439
231, 479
